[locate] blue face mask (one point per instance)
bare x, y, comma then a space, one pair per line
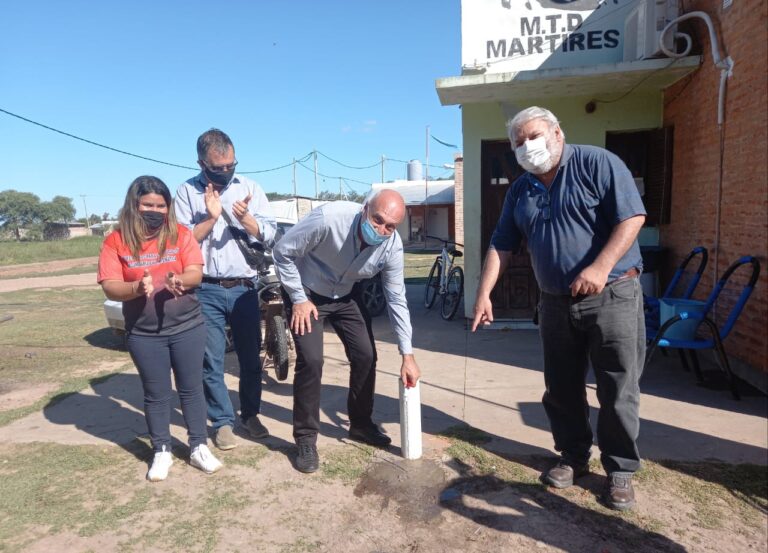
371, 237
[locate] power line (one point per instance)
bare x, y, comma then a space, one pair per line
349, 166
305, 158
344, 183
406, 162
70, 135
119, 151
96, 143
637, 84
331, 176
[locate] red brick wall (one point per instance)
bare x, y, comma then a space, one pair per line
691, 106
458, 191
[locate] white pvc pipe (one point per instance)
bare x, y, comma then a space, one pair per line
410, 420
724, 64
726, 70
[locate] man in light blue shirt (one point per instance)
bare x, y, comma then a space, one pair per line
227, 293
319, 262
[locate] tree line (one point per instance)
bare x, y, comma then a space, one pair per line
24, 210
350, 196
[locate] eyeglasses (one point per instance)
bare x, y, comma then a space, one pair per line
543, 204
220, 168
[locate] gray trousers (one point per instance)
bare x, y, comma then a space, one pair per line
607, 330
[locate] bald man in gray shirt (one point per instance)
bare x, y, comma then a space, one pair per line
319, 261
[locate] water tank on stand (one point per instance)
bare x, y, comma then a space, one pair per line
414, 170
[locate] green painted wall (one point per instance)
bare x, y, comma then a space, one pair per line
487, 122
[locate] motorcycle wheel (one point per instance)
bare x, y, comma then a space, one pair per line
229, 341
373, 296
278, 347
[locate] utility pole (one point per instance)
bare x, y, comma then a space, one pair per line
87, 222
314, 152
426, 192
383, 159
294, 177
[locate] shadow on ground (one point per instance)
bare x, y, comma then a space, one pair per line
106, 338
666, 443
664, 377
527, 509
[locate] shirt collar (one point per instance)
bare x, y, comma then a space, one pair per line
358, 242
566, 155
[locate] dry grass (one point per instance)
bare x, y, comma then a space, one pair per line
56, 336
15, 253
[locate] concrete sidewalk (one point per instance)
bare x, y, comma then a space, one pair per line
491, 380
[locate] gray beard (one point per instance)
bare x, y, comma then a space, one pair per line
538, 169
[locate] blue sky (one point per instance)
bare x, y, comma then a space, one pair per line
354, 80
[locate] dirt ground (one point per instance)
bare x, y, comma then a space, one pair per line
11, 271
360, 501
10, 281
459, 497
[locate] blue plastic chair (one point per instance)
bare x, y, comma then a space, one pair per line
651, 304
718, 336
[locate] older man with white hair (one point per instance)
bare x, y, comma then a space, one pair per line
319, 261
579, 211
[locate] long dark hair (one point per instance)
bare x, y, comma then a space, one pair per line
132, 226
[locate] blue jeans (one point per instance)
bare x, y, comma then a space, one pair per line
238, 306
608, 331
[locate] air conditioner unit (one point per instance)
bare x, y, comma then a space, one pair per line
643, 26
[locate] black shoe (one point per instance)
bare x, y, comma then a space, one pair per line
370, 435
307, 460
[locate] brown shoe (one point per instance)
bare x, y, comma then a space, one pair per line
619, 493
562, 474
224, 438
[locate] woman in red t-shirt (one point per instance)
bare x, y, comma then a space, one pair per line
152, 264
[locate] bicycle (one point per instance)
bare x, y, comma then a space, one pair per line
445, 280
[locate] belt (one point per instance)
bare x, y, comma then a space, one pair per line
632, 273
317, 299
229, 282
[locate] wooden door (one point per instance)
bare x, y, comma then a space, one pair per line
515, 295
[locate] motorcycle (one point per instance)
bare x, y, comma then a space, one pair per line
276, 339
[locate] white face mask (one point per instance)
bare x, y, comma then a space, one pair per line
534, 156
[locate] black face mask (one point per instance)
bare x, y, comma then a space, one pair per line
219, 178
153, 220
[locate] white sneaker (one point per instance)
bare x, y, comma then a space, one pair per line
202, 458
160, 465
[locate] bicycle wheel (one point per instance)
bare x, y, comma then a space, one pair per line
454, 289
433, 283
278, 346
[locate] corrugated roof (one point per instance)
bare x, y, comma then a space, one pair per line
413, 192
